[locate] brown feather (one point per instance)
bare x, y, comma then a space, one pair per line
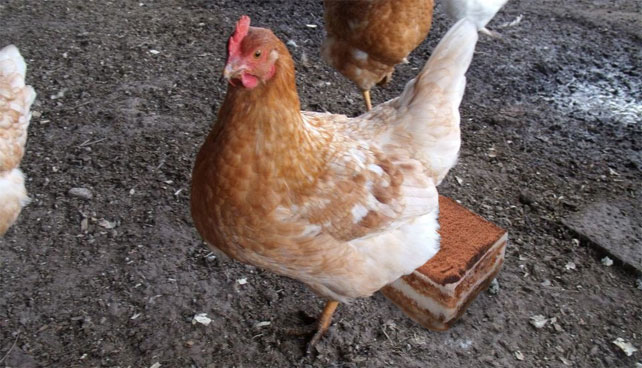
385, 30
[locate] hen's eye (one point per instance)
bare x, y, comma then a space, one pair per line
257, 54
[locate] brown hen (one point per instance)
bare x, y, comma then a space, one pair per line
345, 205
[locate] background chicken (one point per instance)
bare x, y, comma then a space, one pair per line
479, 12
15, 101
345, 205
367, 38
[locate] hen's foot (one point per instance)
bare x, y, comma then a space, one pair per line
316, 329
324, 322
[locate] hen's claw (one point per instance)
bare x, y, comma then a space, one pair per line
366, 97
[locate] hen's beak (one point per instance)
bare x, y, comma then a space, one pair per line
233, 70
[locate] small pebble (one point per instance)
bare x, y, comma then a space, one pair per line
608, 262
526, 198
546, 282
638, 284
493, 289
82, 193
201, 318
519, 355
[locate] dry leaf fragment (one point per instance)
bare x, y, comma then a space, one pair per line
626, 347
538, 321
201, 318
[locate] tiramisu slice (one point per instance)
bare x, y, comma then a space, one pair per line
472, 251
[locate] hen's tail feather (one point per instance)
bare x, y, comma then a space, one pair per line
429, 104
15, 104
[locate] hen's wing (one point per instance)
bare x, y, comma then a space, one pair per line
365, 190
370, 219
373, 214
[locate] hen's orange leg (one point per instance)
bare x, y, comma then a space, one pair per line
366, 96
324, 322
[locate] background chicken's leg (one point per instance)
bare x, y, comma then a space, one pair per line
324, 321
366, 96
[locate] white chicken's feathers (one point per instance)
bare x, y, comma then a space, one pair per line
480, 12
428, 108
12, 62
15, 103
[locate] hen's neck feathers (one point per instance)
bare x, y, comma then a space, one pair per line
276, 95
266, 123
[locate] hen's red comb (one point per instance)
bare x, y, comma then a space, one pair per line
242, 27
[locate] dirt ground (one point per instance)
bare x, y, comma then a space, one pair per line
127, 91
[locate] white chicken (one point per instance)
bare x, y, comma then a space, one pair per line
15, 102
480, 12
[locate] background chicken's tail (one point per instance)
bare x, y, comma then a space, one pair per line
15, 103
429, 104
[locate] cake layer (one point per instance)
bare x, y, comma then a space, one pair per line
472, 252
